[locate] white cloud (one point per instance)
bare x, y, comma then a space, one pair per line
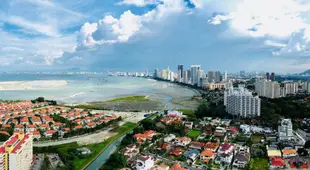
43, 28
218, 19
10, 48
139, 3
111, 30
274, 44
198, 3
279, 19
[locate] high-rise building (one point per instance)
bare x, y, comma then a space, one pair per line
306, 87
210, 76
285, 130
186, 76
225, 76
291, 88
180, 70
16, 153
217, 76
273, 77
267, 76
194, 74
267, 88
241, 102
156, 73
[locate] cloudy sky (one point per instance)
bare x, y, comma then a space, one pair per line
136, 35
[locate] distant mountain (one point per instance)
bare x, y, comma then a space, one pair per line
305, 72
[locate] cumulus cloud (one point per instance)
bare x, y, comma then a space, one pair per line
218, 19
111, 30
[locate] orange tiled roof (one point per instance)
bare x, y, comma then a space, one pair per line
177, 167
207, 153
288, 151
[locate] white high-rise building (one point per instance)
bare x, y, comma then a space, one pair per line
267, 88
306, 87
194, 74
285, 130
291, 88
240, 102
186, 76
16, 153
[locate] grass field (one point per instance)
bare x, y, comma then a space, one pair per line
194, 133
130, 98
256, 138
189, 113
98, 148
259, 164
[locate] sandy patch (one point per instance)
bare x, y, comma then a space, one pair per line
31, 85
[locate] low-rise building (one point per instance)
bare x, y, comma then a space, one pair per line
183, 141
145, 162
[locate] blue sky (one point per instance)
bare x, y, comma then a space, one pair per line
135, 35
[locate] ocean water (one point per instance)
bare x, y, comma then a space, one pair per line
86, 88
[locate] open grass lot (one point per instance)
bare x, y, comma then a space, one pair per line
259, 164
256, 138
130, 98
194, 133
98, 148
188, 113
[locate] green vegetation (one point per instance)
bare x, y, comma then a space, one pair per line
98, 148
4, 137
188, 113
256, 138
211, 110
46, 163
292, 107
83, 106
116, 161
194, 133
70, 157
130, 98
259, 164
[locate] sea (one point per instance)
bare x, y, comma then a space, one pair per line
81, 88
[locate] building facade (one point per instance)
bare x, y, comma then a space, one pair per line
267, 88
194, 74
240, 102
285, 130
16, 153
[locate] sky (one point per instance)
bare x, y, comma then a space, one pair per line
139, 35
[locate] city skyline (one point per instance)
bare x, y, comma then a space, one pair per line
141, 34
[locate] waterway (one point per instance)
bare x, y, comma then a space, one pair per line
104, 156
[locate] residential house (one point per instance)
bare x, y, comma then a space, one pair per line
288, 153
276, 163
19, 127
31, 128
147, 135
145, 162
196, 145
44, 126
188, 124
130, 151
176, 151
169, 138
177, 167
162, 166
90, 125
273, 152
225, 153
78, 127
36, 134
213, 146
49, 133
57, 125
207, 155
298, 163
192, 155
183, 141
24, 121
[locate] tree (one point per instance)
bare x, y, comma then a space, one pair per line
307, 144
148, 124
40, 99
302, 152
4, 137
116, 161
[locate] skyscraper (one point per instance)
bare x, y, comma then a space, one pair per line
210, 76
194, 74
267, 76
187, 75
180, 70
217, 76
273, 77
267, 88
